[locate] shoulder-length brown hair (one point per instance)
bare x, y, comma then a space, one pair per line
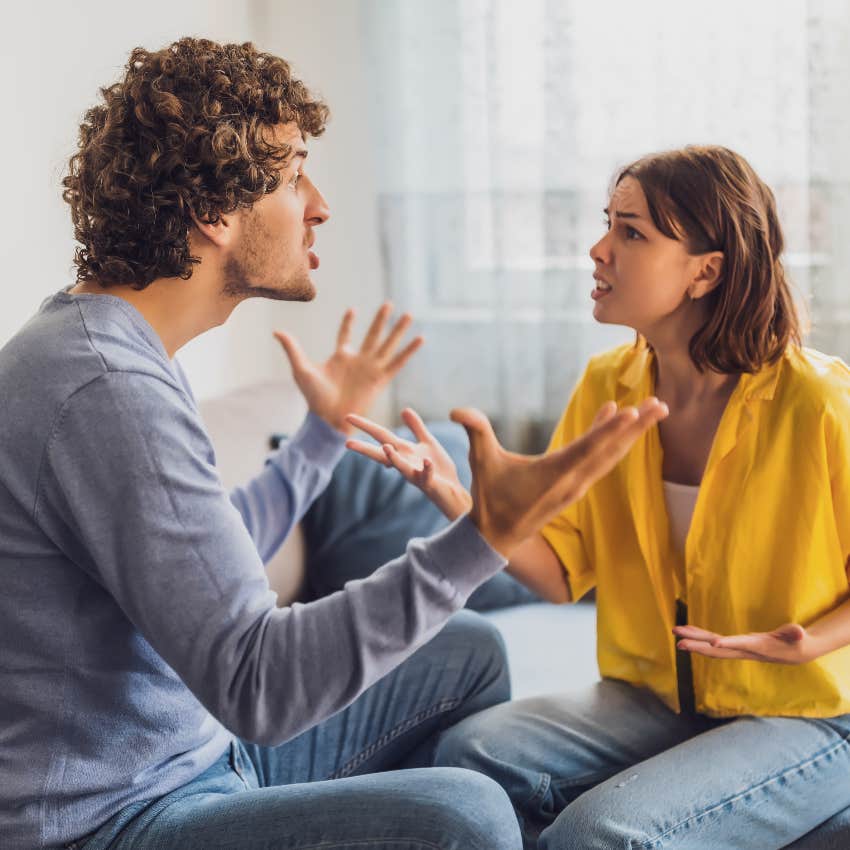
711, 199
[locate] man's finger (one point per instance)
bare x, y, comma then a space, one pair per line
478, 429
598, 449
604, 413
404, 355
389, 345
297, 358
368, 450
370, 341
601, 449
343, 336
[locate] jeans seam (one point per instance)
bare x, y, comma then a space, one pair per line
543, 786
811, 761
388, 737
366, 842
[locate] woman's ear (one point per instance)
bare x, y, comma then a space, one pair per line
708, 275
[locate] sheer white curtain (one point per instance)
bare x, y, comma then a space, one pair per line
499, 125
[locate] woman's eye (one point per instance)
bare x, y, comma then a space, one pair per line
294, 180
631, 233
607, 222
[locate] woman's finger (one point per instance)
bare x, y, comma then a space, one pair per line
427, 474
401, 463
702, 648
373, 429
369, 450
414, 421
696, 633
759, 644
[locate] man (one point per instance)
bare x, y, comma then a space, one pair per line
151, 694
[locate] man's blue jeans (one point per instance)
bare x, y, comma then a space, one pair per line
358, 780
615, 769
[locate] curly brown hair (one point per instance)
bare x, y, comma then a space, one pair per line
186, 132
711, 199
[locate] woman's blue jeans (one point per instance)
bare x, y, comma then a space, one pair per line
361, 779
615, 769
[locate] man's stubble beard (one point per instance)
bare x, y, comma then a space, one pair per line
243, 273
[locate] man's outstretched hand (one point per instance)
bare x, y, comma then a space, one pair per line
513, 496
351, 379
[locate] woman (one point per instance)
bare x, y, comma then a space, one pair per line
718, 547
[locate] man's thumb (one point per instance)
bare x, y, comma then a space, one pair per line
477, 425
297, 358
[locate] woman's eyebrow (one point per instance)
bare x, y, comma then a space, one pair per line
621, 213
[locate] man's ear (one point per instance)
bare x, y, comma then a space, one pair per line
219, 233
709, 274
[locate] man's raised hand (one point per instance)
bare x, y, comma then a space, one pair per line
513, 496
351, 379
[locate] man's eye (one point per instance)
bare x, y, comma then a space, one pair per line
607, 222
293, 182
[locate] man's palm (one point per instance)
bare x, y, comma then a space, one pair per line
350, 379
514, 496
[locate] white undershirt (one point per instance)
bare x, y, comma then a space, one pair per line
680, 499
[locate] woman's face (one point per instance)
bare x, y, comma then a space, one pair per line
642, 277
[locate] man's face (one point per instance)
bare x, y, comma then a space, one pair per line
272, 256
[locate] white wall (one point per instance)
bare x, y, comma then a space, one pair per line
54, 59
323, 39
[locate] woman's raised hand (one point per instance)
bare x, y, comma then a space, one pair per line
424, 463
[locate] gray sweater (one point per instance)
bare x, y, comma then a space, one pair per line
138, 632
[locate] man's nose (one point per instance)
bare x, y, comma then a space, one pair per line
317, 211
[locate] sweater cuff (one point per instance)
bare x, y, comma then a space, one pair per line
462, 556
317, 442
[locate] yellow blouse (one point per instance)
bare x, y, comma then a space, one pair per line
767, 545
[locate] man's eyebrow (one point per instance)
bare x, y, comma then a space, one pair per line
621, 214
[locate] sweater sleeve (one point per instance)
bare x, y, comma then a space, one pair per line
292, 478
128, 492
